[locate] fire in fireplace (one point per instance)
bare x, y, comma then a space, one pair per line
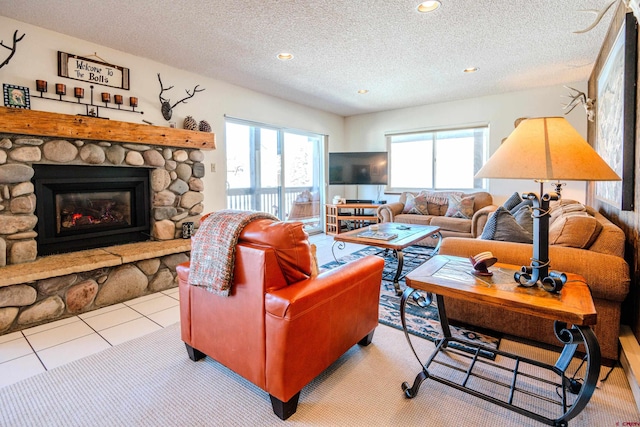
83, 207
92, 210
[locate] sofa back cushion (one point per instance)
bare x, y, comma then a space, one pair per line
611, 239
424, 204
439, 200
576, 231
290, 242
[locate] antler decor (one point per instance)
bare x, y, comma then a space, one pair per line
600, 13
167, 108
578, 97
16, 39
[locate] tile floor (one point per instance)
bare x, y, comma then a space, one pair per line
38, 349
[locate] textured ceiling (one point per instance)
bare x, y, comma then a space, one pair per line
402, 57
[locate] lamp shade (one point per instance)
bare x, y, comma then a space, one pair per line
547, 148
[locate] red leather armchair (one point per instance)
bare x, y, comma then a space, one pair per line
279, 327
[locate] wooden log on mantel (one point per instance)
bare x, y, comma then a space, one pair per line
42, 123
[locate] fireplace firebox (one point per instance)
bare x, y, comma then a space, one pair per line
85, 207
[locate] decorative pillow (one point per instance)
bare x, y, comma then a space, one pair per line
501, 225
512, 201
460, 207
420, 205
436, 205
425, 204
524, 218
520, 205
563, 207
576, 231
409, 203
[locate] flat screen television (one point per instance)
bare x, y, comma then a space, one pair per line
359, 168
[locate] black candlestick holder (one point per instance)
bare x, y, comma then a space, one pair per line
91, 109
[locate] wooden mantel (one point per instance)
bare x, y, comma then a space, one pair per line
41, 123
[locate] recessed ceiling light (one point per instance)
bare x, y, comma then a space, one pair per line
428, 6
363, 91
470, 70
284, 56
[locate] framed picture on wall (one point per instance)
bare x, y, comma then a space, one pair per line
16, 96
615, 116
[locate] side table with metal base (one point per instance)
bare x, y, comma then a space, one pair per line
529, 387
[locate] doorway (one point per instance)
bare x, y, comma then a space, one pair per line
275, 170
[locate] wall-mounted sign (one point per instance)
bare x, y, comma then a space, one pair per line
92, 71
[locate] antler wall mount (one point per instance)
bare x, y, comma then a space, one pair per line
579, 97
16, 39
167, 108
634, 5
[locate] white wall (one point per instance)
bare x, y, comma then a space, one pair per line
36, 58
498, 111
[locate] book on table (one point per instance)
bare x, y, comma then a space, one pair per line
380, 235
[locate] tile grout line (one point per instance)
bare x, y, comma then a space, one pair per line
96, 331
34, 351
146, 317
51, 329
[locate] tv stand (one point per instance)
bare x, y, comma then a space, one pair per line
349, 216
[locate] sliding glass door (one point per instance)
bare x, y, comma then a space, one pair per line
275, 170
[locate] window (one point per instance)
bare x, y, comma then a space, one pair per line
275, 170
438, 159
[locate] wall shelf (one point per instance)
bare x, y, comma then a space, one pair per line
41, 123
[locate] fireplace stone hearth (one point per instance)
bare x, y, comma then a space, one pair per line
36, 289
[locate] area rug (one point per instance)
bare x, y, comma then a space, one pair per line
421, 322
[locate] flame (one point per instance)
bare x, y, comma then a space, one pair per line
77, 216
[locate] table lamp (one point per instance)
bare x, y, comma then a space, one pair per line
545, 149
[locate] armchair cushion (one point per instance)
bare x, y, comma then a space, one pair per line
290, 242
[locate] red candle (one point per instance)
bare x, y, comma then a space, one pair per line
78, 92
133, 101
117, 99
106, 97
41, 85
61, 89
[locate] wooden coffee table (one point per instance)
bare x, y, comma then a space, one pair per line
452, 277
407, 235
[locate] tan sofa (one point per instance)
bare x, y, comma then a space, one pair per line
449, 226
601, 264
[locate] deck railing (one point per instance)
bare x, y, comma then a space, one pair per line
265, 200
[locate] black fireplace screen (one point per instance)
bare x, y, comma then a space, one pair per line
84, 207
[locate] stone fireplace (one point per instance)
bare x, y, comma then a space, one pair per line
109, 184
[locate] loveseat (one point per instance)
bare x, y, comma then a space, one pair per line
586, 243
281, 324
457, 214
